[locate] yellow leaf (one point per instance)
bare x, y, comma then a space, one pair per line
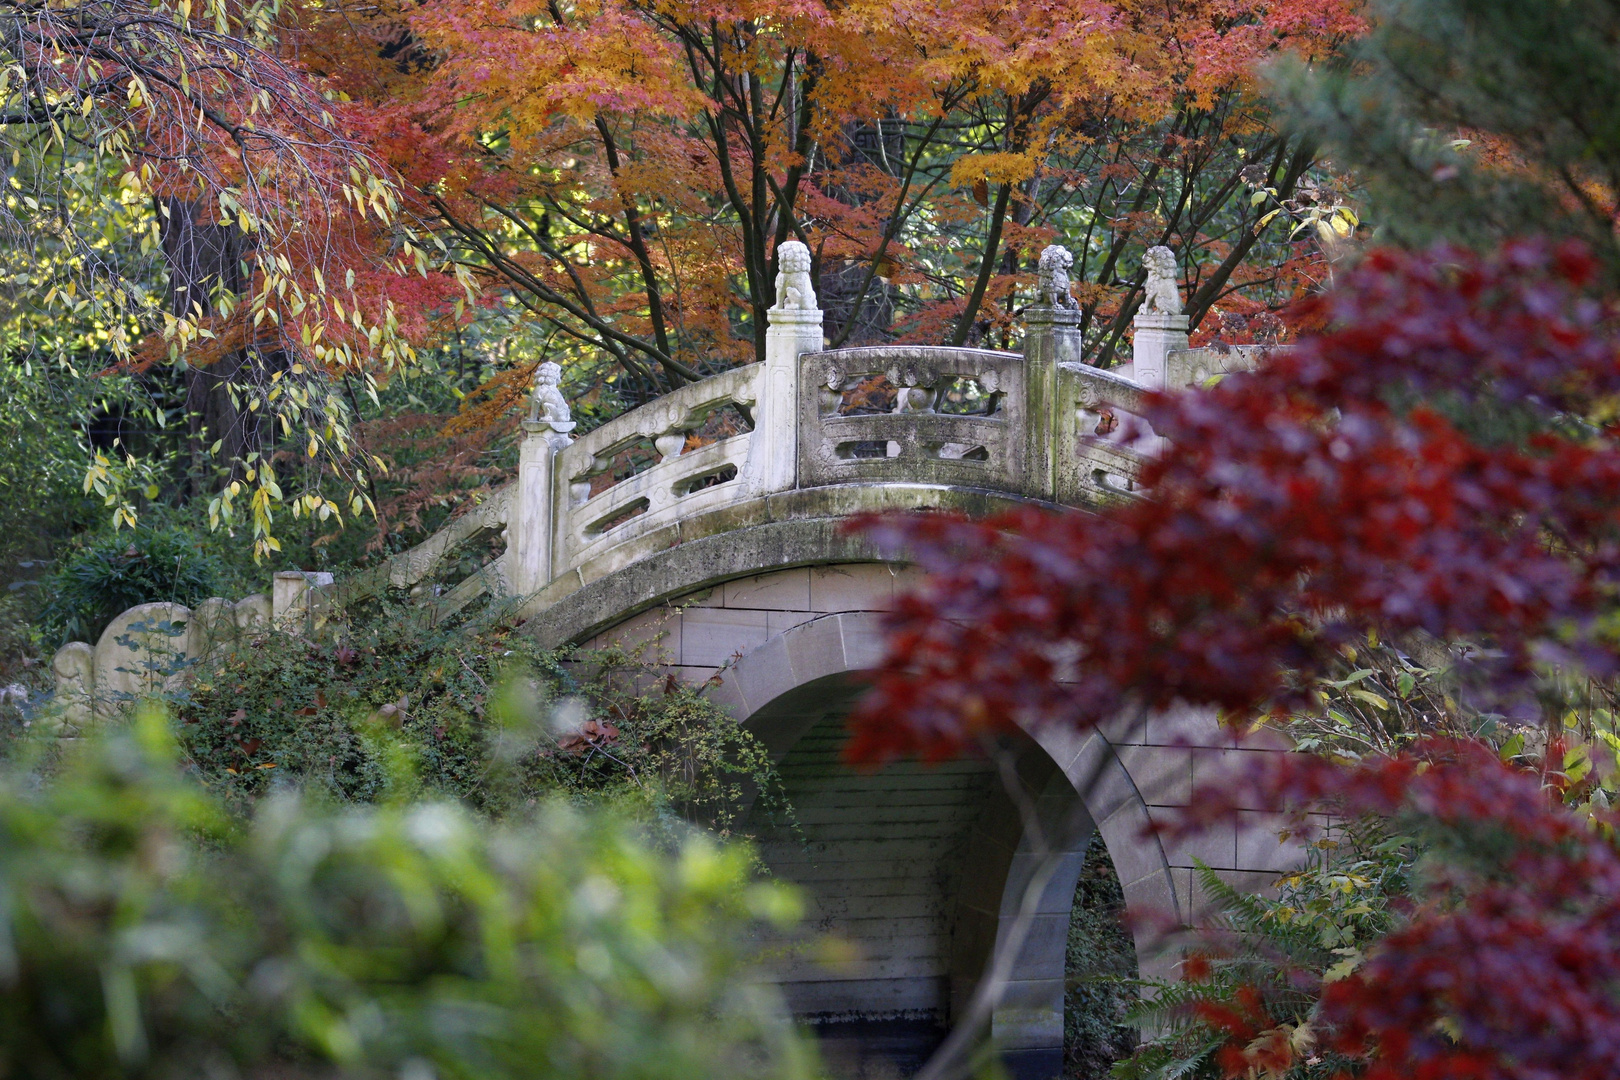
997, 168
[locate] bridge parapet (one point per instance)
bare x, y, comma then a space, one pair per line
912, 414
681, 481
1037, 425
1041, 424
832, 431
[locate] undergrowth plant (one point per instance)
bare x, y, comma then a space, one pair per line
152, 932
1099, 971
1260, 962
116, 570
480, 714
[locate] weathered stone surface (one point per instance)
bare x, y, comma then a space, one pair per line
253, 612
672, 572
1194, 368
925, 444
140, 653
298, 600
213, 623
74, 666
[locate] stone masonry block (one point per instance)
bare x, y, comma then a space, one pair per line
1161, 893
1030, 1014
712, 636
1264, 842
1099, 778
1186, 726
1215, 847
816, 648
1127, 729
1058, 895
778, 622
765, 676
728, 696
1062, 743
784, 589
659, 630
1162, 774
852, 587
907, 578
1044, 946
1136, 852
1183, 878
1216, 769
864, 640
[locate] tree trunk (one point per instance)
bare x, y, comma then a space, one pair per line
202, 258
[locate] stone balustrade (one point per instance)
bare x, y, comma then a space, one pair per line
679, 482
1040, 425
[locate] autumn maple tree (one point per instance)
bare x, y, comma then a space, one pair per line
186, 190
261, 197
1438, 460
625, 170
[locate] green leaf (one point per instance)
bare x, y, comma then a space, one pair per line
1377, 701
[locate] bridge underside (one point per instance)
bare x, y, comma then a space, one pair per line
920, 870
906, 868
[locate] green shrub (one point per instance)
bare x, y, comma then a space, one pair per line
44, 411
117, 570
1285, 948
149, 933
479, 715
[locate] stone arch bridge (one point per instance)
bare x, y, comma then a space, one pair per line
711, 521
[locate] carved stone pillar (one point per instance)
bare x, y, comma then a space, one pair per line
531, 521
1157, 336
529, 525
1051, 337
795, 328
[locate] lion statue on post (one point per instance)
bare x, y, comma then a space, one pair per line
1054, 277
793, 286
547, 402
1162, 297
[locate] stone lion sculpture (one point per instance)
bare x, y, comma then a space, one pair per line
793, 286
1054, 277
1162, 295
548, 404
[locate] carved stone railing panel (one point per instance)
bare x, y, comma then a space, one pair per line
1193, 369
1101, 439
416, 564
676, 487
926, 437
680, 483
678, 412
489, 580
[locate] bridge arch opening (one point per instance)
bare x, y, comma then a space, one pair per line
923, 870
933, 860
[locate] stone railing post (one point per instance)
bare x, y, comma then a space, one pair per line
795, 328
529, 525
299, 601
1161, 327
1157, 336
1051, 337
